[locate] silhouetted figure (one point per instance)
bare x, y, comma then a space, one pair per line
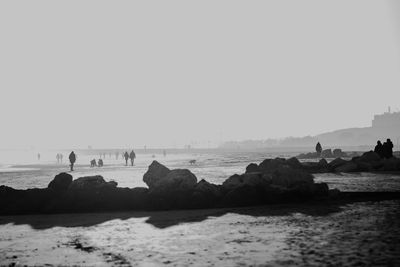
38, 156
388, 149
93, 163
58, 158
126, 156
379, 149
100, 163
318, 148
72, 159
132, 156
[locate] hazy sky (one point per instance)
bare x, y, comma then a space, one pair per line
124, 73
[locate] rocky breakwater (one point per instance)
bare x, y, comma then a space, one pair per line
367, 162
272, 181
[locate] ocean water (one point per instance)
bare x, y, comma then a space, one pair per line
358, 234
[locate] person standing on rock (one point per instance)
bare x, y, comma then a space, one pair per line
126, 156
318, 148
72, 159
132, 156
388, 149
379, 149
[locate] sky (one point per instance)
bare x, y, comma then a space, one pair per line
170, 73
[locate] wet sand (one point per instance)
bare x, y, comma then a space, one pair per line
359, 234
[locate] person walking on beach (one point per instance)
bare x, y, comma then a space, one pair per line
58, 158
132, 156
126, 156
72, 159
318, 148
61, 158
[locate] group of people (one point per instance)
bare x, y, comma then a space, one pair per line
100, 163
384, 150
131, 156
93, 163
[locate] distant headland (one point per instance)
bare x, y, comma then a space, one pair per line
386, 125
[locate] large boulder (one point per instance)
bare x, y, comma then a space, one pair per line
252, 167
91, 183
287, 177
337, 163
323, 163
61, 182
244, 195
294, 163
178, 179
155, 173
369, 156
252, 179
269, 165
391, 164
205, 194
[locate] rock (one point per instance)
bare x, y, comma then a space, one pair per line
294, 163
252, 179
288, 177
252, 167
155, 173
270, 165
347, 167
327, 153
61, 182
337, 153
391, 164
233, 181
323, 163
321, 189
208, 189
310, 155
336, 163
205, 194
369, 156
244, 195
91, 183
178, 179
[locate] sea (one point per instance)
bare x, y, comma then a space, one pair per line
356, 234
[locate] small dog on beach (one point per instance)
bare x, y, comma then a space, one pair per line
192, 161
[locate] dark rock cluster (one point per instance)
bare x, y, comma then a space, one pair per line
272, 181
367, 162
326, 153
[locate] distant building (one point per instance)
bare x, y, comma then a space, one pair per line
387, 120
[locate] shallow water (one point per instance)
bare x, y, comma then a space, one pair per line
357, 234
